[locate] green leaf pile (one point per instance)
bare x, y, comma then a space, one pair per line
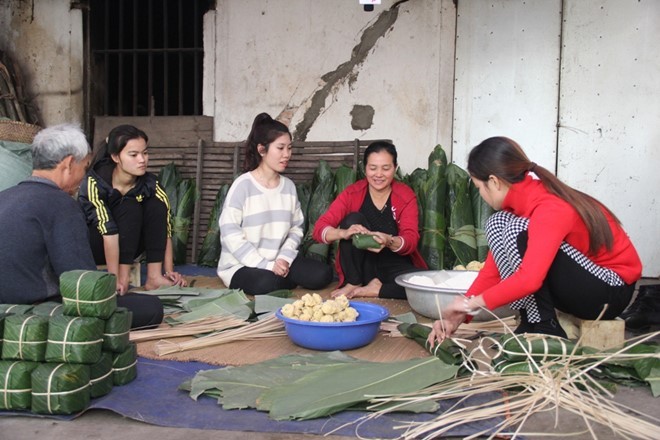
300, 387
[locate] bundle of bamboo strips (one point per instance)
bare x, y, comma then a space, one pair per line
201, 326
562, 383
268, 327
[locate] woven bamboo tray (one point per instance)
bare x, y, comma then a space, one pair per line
17, 131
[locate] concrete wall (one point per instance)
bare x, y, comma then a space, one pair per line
337, 72
577, 86
609, 112
44, 38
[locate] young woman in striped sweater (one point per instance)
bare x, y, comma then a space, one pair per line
261, 225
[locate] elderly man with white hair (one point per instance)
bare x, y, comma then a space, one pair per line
43, 231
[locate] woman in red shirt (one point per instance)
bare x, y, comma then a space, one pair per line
379, 206
551, 247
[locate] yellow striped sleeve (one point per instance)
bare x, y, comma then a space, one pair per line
99, 206
162, 196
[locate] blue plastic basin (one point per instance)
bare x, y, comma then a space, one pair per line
329, 336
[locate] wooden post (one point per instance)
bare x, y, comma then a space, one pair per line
356, 154
198, 205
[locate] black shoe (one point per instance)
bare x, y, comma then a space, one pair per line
644, 312
525, 326
636, 305
550, 327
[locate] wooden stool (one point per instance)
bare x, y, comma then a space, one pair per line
134, 277
596, 334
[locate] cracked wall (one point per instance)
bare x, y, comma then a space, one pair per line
334, 72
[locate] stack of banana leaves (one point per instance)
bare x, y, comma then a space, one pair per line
461, 229
307, 386
452, 215
182, 194
434, 223
416, 181
209, 254
321, 195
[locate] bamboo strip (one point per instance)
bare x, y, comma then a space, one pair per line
205, 325
268, 327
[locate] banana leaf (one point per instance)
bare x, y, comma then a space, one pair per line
480, 212
182, 194
16, 384
644, 370
339, 387
515, 348
322, 194
209, 254
16, 309
60, 388
364, 241
187, 196
235, 302
116, 331
240, 387
124, 365
448, 352
74, 339
169, 179
461, 232
25, 338
88, 293
48, 308
434, 226
272, 301
344, 176
416, 180
304, 191
100, 376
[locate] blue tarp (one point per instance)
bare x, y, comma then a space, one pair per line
154, 398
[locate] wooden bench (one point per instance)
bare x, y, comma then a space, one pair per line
187, 141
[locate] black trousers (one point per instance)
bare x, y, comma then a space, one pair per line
361, 266
572, 289
573, 284
146, 310
142, 228
305, 272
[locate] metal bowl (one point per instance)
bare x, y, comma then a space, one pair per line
330, 336
430, 300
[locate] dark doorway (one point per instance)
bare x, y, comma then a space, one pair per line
144, 57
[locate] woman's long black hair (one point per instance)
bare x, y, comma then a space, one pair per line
505, 159
264, 131
117, 140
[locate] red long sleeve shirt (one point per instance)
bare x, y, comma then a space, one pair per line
551, 221
404, 210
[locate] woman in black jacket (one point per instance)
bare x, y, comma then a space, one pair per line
127, 211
